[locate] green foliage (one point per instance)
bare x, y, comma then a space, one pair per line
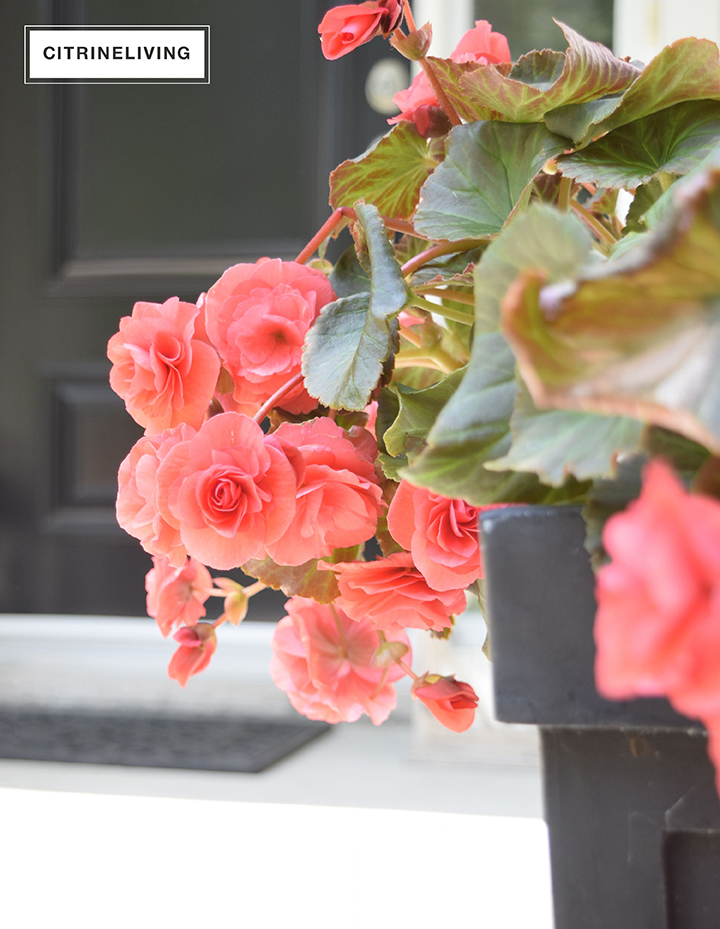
675, 140
347, 346
303, 580
638, 337
486, 171
538, 83
389, 176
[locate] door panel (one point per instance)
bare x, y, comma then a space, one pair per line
111, 194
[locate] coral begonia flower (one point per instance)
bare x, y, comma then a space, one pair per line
392, 593
338, 497
257, 316
479, 44
657, 627
197, 645
229, 489
344, 28
165, 375
441, 533
322, 659
137, 508
177, 595
453, 703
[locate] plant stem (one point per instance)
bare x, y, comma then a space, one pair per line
436, 355
593, 224
409, 19
455, 295
563, 200
412, 337
344, 214
440, 93
437, 251
277, 396
445, 311
408, 671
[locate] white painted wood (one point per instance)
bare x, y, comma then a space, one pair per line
643, 27
450, 20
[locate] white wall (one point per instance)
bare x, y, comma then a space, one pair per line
450, 20
643, 27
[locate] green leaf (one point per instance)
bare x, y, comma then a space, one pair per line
645, 196
686, 70
641, 335
417, 412
485, 173
606, 498
302, 580
473, 429
348, 277
389, 176
674, 140
540, 238
539, 82
555, 443
347, 346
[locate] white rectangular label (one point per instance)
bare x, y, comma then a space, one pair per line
117, 54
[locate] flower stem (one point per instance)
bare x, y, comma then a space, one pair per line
594, 225
437, 251
411, 336
277, 396
409, 19
328, 227
407, 670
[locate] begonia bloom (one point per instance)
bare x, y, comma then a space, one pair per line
322, 659
657, 627
176, 595
137, 509
392, 593
453, 703
441, 533
479, 44
165, 375
257, 316
345, 28
230, 489
197, 645
338, 497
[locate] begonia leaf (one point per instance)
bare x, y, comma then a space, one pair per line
348, 277
675, 140
639, 336
486, 171
347, 346
303, 580
540, 238
389, 176
538, 82
555, 443
473, 429
417, 412
686, 70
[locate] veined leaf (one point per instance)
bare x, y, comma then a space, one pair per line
302, 580
417, 412
346, 347
540, 238
486, 170
641, 335
686, 70
674, 140
539, 82
348, 277
556, 443
473, 429
389, 176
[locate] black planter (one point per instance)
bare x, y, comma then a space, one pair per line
630, 797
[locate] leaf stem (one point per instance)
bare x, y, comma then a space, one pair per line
445, 311
440, 93
436, 356
564, 192
412, 337
455, 295
347, 214
594, 225
437, 251
277, 396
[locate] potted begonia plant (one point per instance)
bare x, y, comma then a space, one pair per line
501, 333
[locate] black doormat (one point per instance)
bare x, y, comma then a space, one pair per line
247, 745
